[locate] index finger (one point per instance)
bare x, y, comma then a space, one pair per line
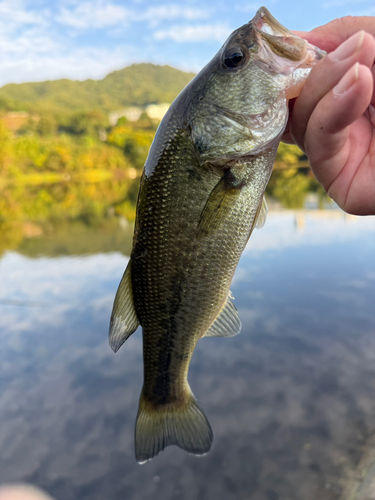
326, 75
329, 36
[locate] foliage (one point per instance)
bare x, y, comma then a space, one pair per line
135, 85
290, 187
85, 123
289, 154
134, 142
67, 163
6, 152
289, 183
30, 210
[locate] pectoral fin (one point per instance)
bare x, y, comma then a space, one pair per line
124, 319
219, 202
227, 323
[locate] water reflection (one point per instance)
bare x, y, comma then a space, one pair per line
290, 400
28, 211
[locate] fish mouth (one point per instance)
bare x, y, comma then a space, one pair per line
265, 22
283, 42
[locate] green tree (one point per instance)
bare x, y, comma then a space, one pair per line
135, 143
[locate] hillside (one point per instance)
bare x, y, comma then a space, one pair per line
135, 85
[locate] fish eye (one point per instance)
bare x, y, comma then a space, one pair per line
234, 57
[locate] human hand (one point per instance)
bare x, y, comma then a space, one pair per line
333, 119
22, 492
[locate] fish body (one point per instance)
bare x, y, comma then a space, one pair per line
200, 197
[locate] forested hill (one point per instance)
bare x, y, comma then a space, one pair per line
135, 85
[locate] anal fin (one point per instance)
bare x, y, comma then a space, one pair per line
227, 322
124, 319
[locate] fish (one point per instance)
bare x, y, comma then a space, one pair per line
201, 195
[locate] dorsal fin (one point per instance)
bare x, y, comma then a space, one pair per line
124, 319
227, 322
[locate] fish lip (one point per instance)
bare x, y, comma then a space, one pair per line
282, 41
270, 32
263, 19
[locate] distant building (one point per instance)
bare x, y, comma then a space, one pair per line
154, 111
157, 110
132, 114
14, 120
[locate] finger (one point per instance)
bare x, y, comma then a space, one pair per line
22, 492
327, 144
331, 35
287, 138
325, 75
373, 90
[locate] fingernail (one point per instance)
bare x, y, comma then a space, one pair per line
349, 47
347, 81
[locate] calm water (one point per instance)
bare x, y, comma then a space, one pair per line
291, 400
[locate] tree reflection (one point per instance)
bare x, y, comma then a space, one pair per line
59, 181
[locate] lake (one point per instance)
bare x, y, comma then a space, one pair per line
291, 400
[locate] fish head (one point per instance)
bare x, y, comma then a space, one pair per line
239, 101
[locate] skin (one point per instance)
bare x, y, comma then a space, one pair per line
335, 129
22, 492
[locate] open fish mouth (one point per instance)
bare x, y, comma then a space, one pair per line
265, 22
282, 41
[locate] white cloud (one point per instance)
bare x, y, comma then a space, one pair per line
341, 3
31, 49
24, 37
101, 14
167, 12
218, 32
41, 43
26, 43
250, 7
51, 289
14, 13
366, 12
93, 15
78, 64
56, 277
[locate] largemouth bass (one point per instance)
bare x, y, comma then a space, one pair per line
200, 198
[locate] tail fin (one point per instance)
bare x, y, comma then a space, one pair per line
183, 425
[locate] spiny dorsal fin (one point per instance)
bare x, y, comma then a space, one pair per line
124, 319
262, 214
227, 323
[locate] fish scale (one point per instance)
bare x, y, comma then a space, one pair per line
200, 197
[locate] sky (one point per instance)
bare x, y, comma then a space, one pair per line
51, 39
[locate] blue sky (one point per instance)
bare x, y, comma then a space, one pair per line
49, 39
